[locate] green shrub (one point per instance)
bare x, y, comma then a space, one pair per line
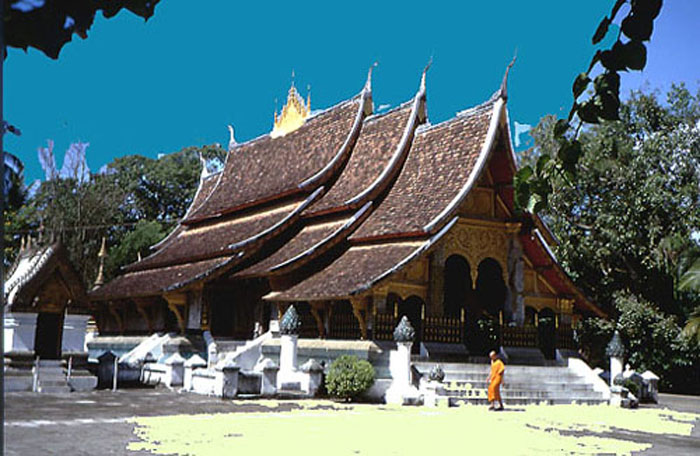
348, 377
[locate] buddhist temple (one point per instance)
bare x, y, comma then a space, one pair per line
358, 218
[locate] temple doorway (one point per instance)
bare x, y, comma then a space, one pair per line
546, 332
47, 339
484, 313
458, 286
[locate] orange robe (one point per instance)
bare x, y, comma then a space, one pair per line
496, 377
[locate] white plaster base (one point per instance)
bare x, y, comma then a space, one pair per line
19, 332
615, 368
74, 332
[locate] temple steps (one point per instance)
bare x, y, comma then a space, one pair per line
455, 401
465, 383
51, 377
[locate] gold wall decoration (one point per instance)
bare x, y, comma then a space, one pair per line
477, 240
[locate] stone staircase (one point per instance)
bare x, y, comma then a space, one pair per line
522, 385
51, 377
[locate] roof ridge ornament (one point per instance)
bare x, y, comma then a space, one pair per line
232, 138
503, 92
425, 71
205, 171
368, 84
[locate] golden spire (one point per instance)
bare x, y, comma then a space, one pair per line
100, 280
294, 112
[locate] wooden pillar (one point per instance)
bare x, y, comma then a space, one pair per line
436, 280
177, 303
359, 309
142, 307
195, 304
118, 318
316, 308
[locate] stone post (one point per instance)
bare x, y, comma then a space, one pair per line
314, 370
616, 351
401, 391
175, 372
289, 330
226, 379
288, 352
268, 385
430, 388
195, 362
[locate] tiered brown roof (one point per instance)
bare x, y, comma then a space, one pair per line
269, 167
217, 237
441, 166
376, 159
373, 152
355, 269
154, 281
264, 187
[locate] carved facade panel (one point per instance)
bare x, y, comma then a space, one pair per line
540, 302
476, 242
479, 203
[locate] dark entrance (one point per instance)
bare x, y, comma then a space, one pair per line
458, 286
546, 329
47, 339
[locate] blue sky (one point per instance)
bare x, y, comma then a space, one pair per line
180, 78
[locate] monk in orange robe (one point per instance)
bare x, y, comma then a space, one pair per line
494, 380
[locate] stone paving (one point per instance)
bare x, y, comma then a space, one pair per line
95, 423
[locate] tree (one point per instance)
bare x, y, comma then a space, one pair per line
134, 202
627, 228
532, 184
627, 223
49, 24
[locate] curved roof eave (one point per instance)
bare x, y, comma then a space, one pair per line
580, 297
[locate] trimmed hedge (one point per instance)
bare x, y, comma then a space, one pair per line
348, 377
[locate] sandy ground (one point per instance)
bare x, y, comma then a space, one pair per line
162, 422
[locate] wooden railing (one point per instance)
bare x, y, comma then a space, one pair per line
344, 326
442, 329
565, 338
519, 336
384, 325
308, 329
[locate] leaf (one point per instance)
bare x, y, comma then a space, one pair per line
602, 30
588, 112
560, 127
524, 173
610, 106
569, 152
637, 27
532, 202
650, 8
607, 82
635, 55
542, 163
613, 59
580, 84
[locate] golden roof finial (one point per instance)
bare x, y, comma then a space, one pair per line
294, 112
